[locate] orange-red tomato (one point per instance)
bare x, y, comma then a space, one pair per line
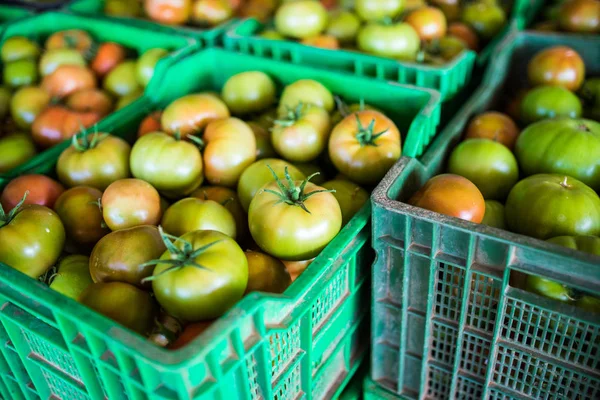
130, 202
211, 12
57, 123
580, 16
464, 33
190, 333
42, 190
495, 126
90, 100
557, 66
72, 39
323, 41
108, 56
189, 114
295, 268
451, 195
68, 79
429, 22
150, 124
172, 12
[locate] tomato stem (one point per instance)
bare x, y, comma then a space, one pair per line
81, 142
565, 184
292, 115
292, 194
196, 140
366, 136
5, 218
180, 258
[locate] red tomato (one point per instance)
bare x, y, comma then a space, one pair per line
57, 123
68, 79
150, 124
42, 190
108, 56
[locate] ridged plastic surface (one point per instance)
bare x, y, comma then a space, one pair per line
305, 343
449, 318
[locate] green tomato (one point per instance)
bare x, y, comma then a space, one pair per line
490, 165
258, 175
548, 288
26, 104
172, 166
20, 73
124, 303
376, 10
547, 205
546, 102
52, 59
566, 146
193, 214
72, 276
485, 17
587, 244
301, 19
589, 303
494, 214
349, 195
5, 95
122, 80
121, 256
146, 64
399, 41
15, 150
123, 8
590, 94
294, 225
19, 48
266, 273
271, 34
210, 279
31, 238
305, 91
249, 92
344, 26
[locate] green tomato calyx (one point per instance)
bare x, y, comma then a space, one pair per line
292, 194
366, 135
292, 115
5, 218
194, 139
344, 109
81, 142
180, 258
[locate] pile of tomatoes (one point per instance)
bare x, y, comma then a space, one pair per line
431, 32
50, 93
572, 16
201, 13
163, 223
542, 181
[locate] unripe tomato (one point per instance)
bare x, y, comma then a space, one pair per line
52, 59
42, 191
121, 256
266, 273
18, 48
20, 73
451, 195
485, 17
344, 26
70, 39
557, 66
264, 147
494, 214
72, 276
190, 114
464, 33
170, 12
399, 41
80, 216
211, 12
130, 202
377, 10
350, 197
587, 244
428, 22
172, 166
122, 80
301, 19
544, 102
15, 150
249, 92
124, 303
230, 200
193, 214
230, 147
147, 63
495, 126
305, 91
26, 104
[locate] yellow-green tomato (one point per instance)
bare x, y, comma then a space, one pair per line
294, 225
494, 214
266, 273
72, 276
258, 175
305, 91
271, 34
377, 10
349, 195
122, 80
172, 166
124, 303
20, 73
588, 244
19, 48
249, 92
193, 214
52, 59
548, 288
302, 135
229, 199
146, 64
15, 149
26, 104
209, 280
399, 41
301, 19
344, 26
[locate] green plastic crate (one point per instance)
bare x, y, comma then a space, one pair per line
448, 321
209, 37
306, 343
448, 79
40, 26
10, 13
